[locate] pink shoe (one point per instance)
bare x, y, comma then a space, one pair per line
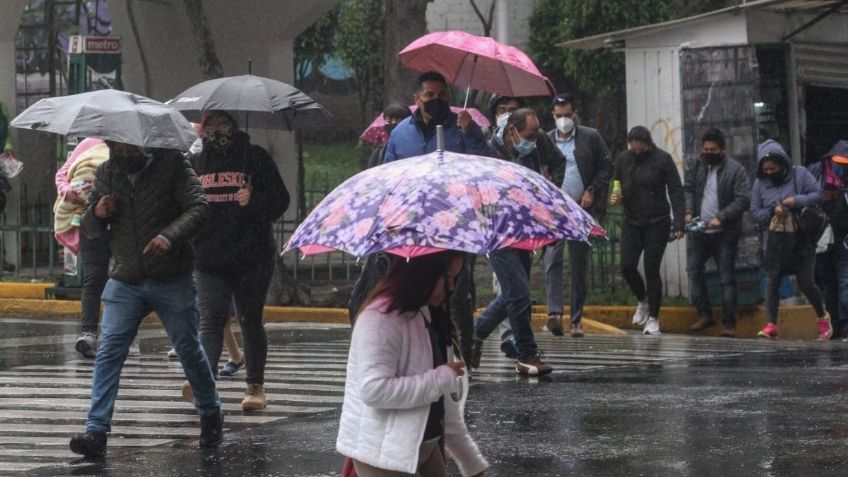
825, 328
769, 332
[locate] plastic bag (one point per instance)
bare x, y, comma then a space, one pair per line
9, 166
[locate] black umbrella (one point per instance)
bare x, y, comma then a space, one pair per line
253, 101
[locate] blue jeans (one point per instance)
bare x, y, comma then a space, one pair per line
125, 306
721, 247
512, 268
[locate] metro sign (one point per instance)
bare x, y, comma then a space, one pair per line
94, 44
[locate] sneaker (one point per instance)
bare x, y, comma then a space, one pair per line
231, 368
476, 352
652, 327
825, 328
508, 348
172, 353
728, 331
576, 331
86, 344
135, 349
555, 324
532, 366
188, 394
768, 332
641, 314
703, 323
254, 398
92, 445
212, 430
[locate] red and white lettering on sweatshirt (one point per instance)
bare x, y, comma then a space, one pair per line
223, 180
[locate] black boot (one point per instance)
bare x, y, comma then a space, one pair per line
212, 430
89, 444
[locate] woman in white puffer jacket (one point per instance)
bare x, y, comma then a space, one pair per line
405, 392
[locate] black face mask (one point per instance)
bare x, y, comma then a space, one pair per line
640, 156
712, 158
438, 109
776, 178
389, 128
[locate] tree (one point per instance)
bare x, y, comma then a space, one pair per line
359, 43
486, 20
210, 65
408, 22
313, 46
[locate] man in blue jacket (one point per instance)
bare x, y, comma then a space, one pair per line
416, 135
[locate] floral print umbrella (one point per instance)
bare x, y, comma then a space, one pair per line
442, 201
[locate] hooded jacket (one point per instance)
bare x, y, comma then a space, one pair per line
835, 203
235, 237
411, 138
796, 182
164, 198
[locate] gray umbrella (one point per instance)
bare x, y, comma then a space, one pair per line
253, 101
110, 115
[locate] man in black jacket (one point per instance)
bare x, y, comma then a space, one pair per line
587, 172
153, 204
716, 191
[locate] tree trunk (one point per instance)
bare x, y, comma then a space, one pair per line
405, 21
207, 58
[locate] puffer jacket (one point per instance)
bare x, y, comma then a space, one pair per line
797, 182
389, 387
166, 199
647, 185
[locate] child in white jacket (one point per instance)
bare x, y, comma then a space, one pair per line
405, 394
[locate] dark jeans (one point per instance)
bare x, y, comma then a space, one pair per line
721, 247
247, 289
832, 279
652, 240
512, 268
94, 256
805, 275
578, 260
126, 305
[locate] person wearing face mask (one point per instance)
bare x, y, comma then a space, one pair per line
652, 197
151, 205
587, 173
515, 142
236, 248
780, 189
416, 135
832, 258
716, 189
392, 115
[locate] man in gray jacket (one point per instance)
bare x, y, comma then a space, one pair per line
153, 204
717, 193
588, 170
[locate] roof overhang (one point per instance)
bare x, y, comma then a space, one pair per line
616, 39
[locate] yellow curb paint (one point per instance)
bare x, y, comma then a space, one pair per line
23, 290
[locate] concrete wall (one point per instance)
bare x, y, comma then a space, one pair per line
445, 15
654, 101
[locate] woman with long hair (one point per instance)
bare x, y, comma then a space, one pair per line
405, 387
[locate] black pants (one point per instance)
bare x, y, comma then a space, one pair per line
462, 304
247, 288
650, 239
721, 247
827, 279
775, 269
94, 256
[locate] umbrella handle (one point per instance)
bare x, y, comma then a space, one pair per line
470, 78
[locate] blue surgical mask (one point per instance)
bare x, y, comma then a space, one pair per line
523, 146
840, 170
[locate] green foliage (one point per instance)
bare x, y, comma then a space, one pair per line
359, 44
314, 46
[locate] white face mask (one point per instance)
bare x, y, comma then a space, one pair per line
565, 125
501, 120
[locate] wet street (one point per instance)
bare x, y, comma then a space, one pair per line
615, 405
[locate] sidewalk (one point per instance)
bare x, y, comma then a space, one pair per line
794, 322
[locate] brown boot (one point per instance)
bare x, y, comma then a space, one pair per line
703, 323
728, 331
254, 398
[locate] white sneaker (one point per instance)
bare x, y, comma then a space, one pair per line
135, 349
652, 327
641, 314
172, 353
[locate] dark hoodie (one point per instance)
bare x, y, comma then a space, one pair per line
796, 181
235, 238
835, 203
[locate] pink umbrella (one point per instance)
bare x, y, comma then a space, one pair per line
375, 134
477, 62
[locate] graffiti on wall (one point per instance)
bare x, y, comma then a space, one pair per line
669, 138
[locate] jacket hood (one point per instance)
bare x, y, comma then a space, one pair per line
773, 149
838, 149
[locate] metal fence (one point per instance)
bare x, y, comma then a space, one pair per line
38, 256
